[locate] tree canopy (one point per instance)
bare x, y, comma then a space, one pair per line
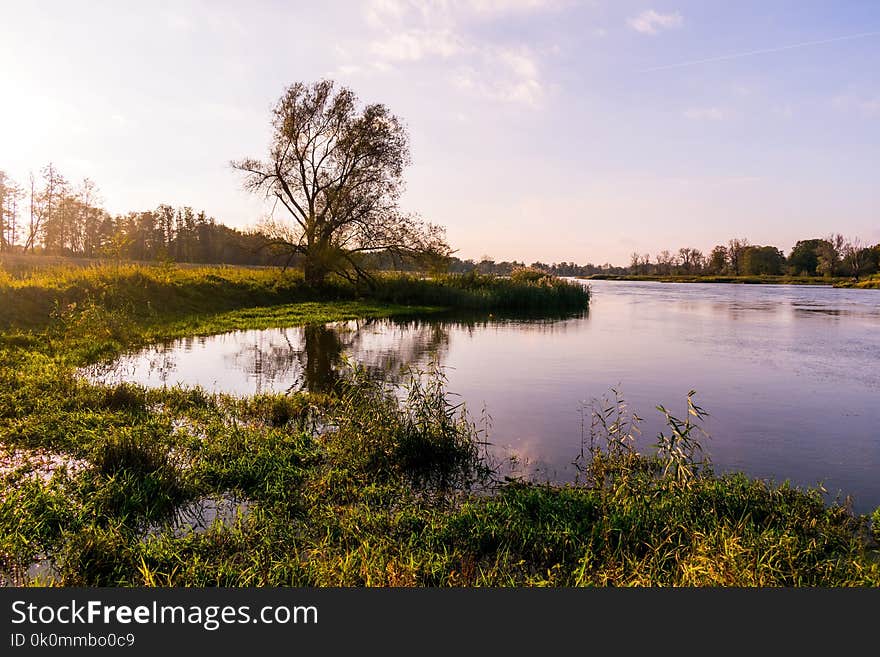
337, 171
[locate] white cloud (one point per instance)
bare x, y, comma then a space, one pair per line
527, 92
706, 114
380, 12
384, 13
505, 75
510, 6
651, 22
414, 45
521, 63
352, 70
409, 32
348, 69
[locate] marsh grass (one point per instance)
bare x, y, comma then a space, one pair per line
609, 453
680, 450
474, 291
425, 440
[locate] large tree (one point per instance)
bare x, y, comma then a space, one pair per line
759, 260
10, 196
858, 258
804, 256
717, 262
830, 253
735, 249
337, 171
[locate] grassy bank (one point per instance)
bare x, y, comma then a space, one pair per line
33, 298
872, 283
117, 485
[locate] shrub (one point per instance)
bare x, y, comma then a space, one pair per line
424, 439
125, 397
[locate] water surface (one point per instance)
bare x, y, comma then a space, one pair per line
790, 374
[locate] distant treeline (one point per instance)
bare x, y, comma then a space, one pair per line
831, 256
52, 216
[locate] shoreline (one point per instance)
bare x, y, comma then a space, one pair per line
838, 282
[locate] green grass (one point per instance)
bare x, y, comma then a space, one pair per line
146, 293
872, 283
34, 298
522, 292
358, 488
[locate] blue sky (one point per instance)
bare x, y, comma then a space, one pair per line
540, 129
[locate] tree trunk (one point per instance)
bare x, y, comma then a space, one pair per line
314, 271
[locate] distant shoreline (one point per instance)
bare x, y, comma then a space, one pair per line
840, 282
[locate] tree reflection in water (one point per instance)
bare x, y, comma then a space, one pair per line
308, 358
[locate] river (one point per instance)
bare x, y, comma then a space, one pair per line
790, 375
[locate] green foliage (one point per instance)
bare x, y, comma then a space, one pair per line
743, 280
135, 477
105, 302
681, 451
133, 453
125, 397
761, 261
281, 410
865, 284
613, 431
425, 440
524, 293
96, 556
66, 294
804, 257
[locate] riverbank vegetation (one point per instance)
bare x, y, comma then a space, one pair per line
872, 283
832, 260
122, 485
32, 298
747, 280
